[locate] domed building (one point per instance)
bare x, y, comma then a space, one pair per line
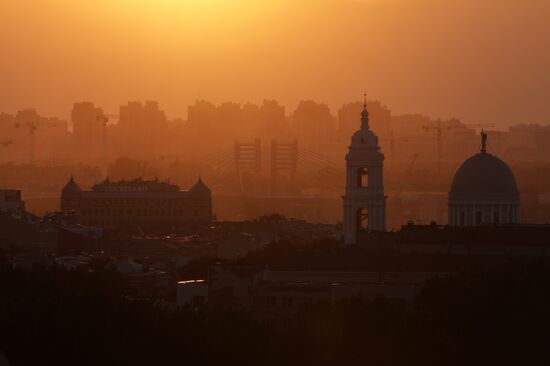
483, 191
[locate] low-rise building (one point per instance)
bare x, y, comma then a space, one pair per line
192, 293
23, 231
275, 297
10, 201
137, 203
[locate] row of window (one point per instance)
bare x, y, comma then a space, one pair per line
495, 218
115, 212
174, 202
116, 223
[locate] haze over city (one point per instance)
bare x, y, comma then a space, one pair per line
274, 182
480, 61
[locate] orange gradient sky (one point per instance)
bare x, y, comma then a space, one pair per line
479, 60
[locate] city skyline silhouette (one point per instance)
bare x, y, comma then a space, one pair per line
481, 62
282, 182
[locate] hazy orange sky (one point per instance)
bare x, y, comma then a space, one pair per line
479, 60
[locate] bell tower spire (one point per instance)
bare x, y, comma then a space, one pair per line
365, 114
364, 198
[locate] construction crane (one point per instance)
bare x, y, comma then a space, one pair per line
438, 128
480, 125
392, 147
406, 174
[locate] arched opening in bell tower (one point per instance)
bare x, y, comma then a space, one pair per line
362, 178
362, 223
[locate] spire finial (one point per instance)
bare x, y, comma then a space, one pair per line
365, 114
483, 141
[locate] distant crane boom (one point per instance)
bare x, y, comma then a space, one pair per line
438, 128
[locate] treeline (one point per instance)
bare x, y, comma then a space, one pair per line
60, 317
479, 317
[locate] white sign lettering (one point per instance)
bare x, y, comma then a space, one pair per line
126, 189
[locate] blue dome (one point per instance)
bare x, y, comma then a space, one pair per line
484, 177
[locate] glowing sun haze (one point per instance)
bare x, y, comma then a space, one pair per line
483, 61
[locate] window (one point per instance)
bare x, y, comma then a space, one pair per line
362, 218
362, 178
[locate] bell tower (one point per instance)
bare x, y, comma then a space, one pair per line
364, 199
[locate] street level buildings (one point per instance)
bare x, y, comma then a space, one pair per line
10, 201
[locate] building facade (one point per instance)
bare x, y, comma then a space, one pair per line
89, 132
10, 201
364, 199
137, 203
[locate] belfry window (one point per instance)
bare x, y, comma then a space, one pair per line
362, 219
362, 178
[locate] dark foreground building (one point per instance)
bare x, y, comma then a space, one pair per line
23, 232
137, 203
10, 201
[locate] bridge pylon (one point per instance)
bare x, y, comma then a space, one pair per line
248, 158
284, 159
